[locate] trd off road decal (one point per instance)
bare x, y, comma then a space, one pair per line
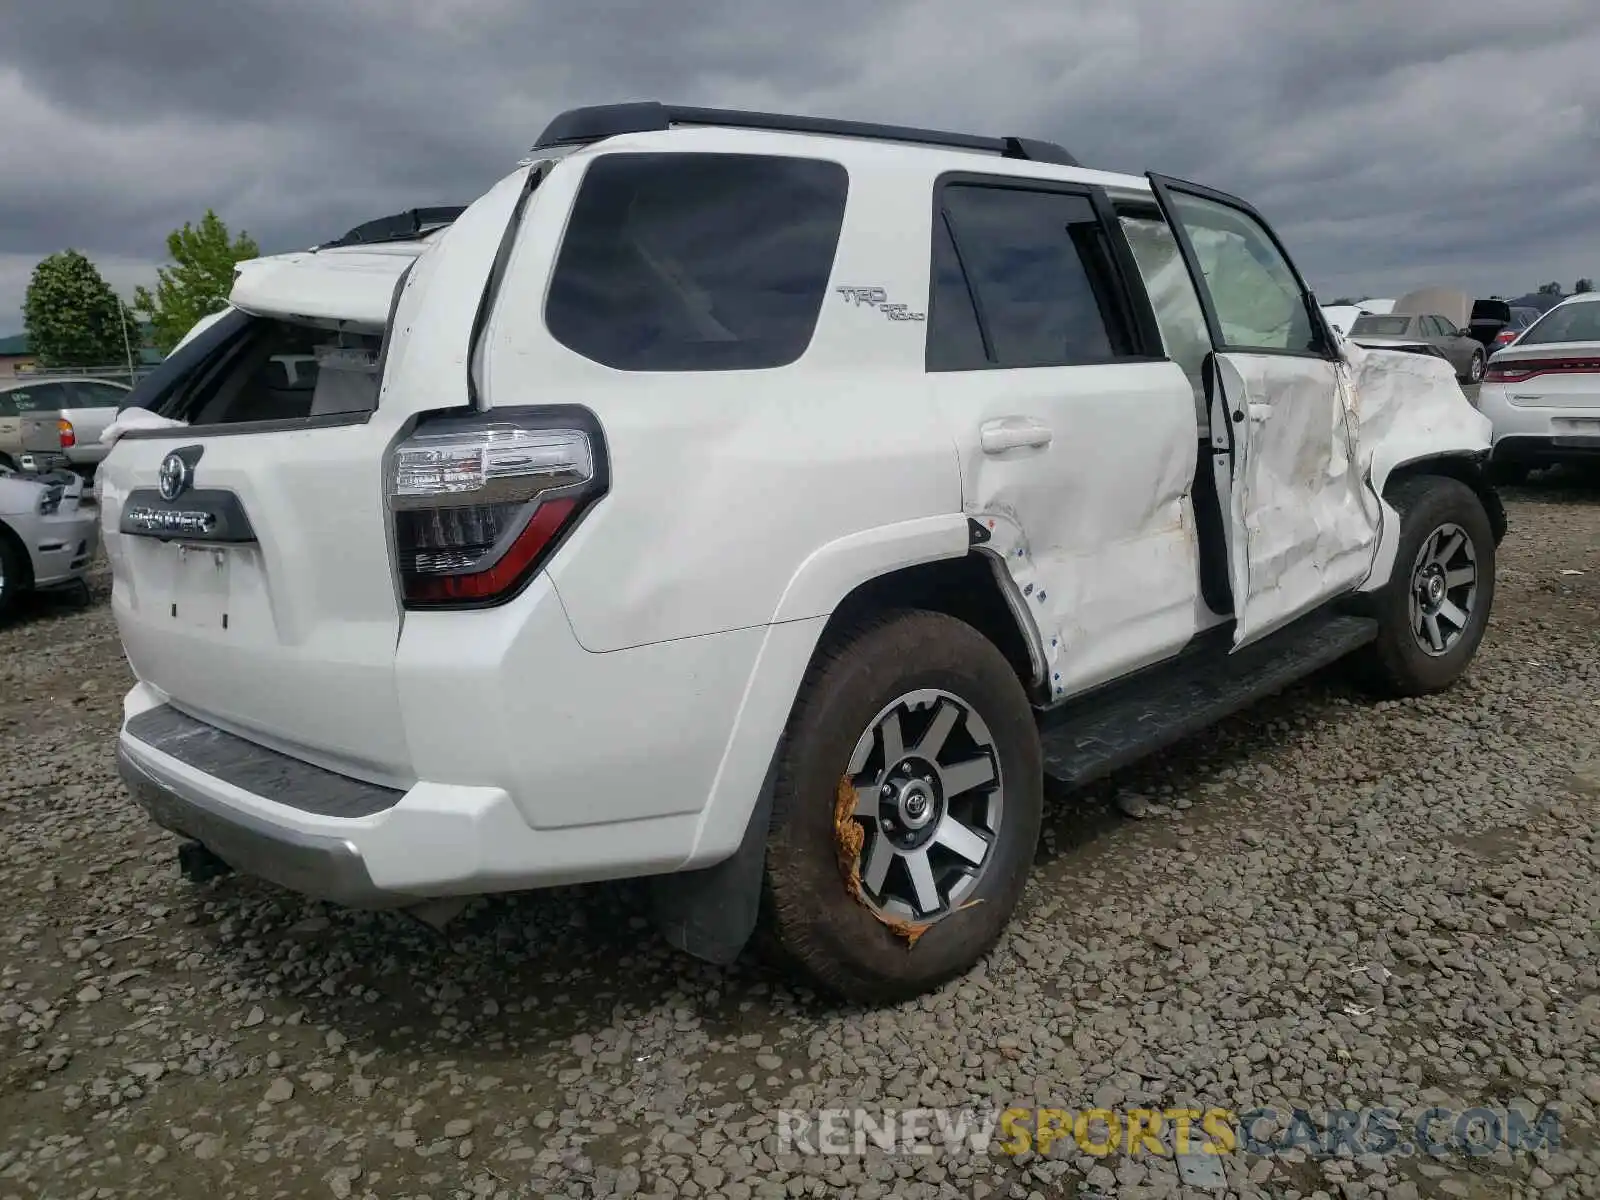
876, 297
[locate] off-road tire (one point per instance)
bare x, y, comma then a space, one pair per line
1395, 665
809, 916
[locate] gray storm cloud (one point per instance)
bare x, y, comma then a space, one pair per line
1393, 145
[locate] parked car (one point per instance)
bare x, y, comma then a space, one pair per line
1428, 333
1497, 322
765, 505
1342, 316
19, 396
1519, 320
62, 424
1542, 392
47, 538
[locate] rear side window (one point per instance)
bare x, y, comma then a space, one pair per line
697, 262
1037, 276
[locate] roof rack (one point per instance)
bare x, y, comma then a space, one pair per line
400, 227
578, 125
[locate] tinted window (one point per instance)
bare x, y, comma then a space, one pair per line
1382, 326
1034, 260
1567, 323
270, 373
955, 341
1254, 292
696, 262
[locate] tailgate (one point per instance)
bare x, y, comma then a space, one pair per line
253, 584
41, 433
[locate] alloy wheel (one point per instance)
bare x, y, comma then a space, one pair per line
930, 795
1444, 589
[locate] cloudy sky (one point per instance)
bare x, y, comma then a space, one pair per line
1394, 144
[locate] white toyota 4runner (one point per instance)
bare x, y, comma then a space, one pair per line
766, 505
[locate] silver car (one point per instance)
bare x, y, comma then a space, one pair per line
57, 420
48, 536
1427, 333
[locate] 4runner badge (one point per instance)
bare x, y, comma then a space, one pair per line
175, 477
876, 297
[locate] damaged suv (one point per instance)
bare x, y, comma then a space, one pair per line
766, 505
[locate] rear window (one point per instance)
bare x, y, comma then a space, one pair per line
1566, 323
277, 371
697, 262
1382, 326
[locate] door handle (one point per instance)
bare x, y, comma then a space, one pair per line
1012, 433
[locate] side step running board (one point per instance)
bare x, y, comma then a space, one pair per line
1092, 736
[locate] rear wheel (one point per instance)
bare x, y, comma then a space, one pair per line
1476, 368
907, 808
1434, 610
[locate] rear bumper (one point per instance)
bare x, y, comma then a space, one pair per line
330, 836
1546, 448
1526, 432
322, 865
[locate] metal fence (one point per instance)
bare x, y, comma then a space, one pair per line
117, 374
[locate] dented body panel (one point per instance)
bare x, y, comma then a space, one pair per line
1302, 523
1407, 409
1092, 515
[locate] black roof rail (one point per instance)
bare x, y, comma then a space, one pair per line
399, 227
579, 125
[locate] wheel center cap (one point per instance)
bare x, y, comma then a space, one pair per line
1435, 589
915, 804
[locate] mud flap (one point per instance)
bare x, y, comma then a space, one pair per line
711, 913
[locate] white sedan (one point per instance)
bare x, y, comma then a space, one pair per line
1543, 391
47, 536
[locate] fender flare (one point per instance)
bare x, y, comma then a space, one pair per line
710, 906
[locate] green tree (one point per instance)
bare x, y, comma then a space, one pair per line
198, 282
1550, 289
71, 315
1583, 285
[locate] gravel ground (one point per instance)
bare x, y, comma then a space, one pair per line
1323, 904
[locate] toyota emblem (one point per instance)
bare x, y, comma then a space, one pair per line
176, 476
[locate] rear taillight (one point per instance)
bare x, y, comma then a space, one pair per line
1519, 369
65, 433
1505, 337
479, 503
